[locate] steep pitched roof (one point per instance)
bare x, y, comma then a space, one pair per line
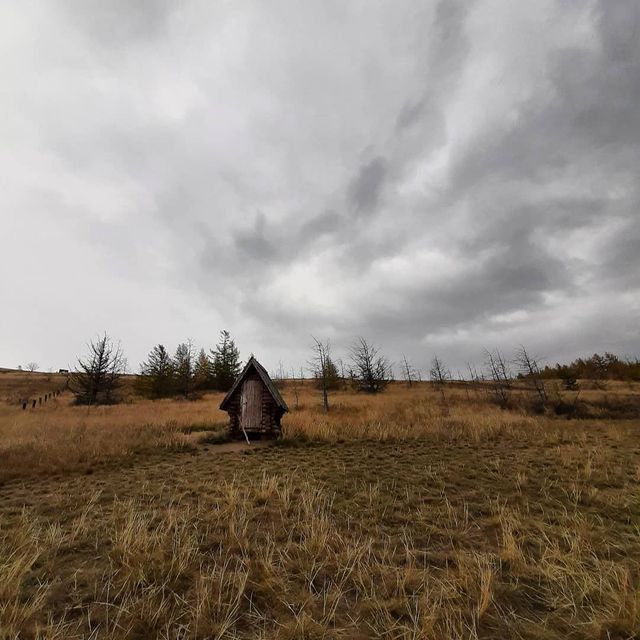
264, 376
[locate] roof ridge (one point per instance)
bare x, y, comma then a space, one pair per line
264, 376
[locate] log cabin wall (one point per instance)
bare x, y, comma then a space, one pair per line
234, 416
261, 394
269, 420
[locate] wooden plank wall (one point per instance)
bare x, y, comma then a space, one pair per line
269, 412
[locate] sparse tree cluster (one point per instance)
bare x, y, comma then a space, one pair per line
598, 368
528, 368
189, 371
368, 371
499, 375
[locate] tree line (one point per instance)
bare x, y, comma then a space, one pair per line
598, 367
97, 376
189, 371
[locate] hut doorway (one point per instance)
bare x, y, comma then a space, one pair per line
251, 403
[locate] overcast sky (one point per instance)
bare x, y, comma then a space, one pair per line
438, 177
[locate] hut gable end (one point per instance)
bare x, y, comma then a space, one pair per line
253, 403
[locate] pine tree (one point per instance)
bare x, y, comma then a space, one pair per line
371, 370
226, 364
202, 371
98, 375
333, 375
158, 373
326, 373
183, 363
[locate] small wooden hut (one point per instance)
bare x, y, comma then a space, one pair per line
254, 404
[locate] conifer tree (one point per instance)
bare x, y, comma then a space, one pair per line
98, 375
183, 363
371, 370
158, 373
226, 364
202, 371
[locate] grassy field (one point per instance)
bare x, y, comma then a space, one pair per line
395, 516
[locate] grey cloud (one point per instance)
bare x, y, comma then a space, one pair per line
254, 244
619, 263
450, 42
592, 109
310, 168
319, 225
409, 114
365, 189
120, 21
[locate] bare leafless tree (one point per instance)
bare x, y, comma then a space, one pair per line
97, 376
474, 378
440, 376
343, 373
31, 367
409, 372
500, 376
439, 372
371, 370
528, 367
461, 379
296, 384
280, 376
323, 369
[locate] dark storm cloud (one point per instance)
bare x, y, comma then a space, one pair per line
588, 108
619, 261
549, 142
438, 176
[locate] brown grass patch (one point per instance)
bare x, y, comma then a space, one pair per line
394, 516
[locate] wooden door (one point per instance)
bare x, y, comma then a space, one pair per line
251, 403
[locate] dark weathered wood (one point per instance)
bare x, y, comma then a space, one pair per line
251, 402
254, 404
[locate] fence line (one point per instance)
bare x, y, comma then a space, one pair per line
40, 400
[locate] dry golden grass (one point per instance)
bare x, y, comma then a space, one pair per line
325, 541
395, 516
16, 386
400, 413
59, 436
